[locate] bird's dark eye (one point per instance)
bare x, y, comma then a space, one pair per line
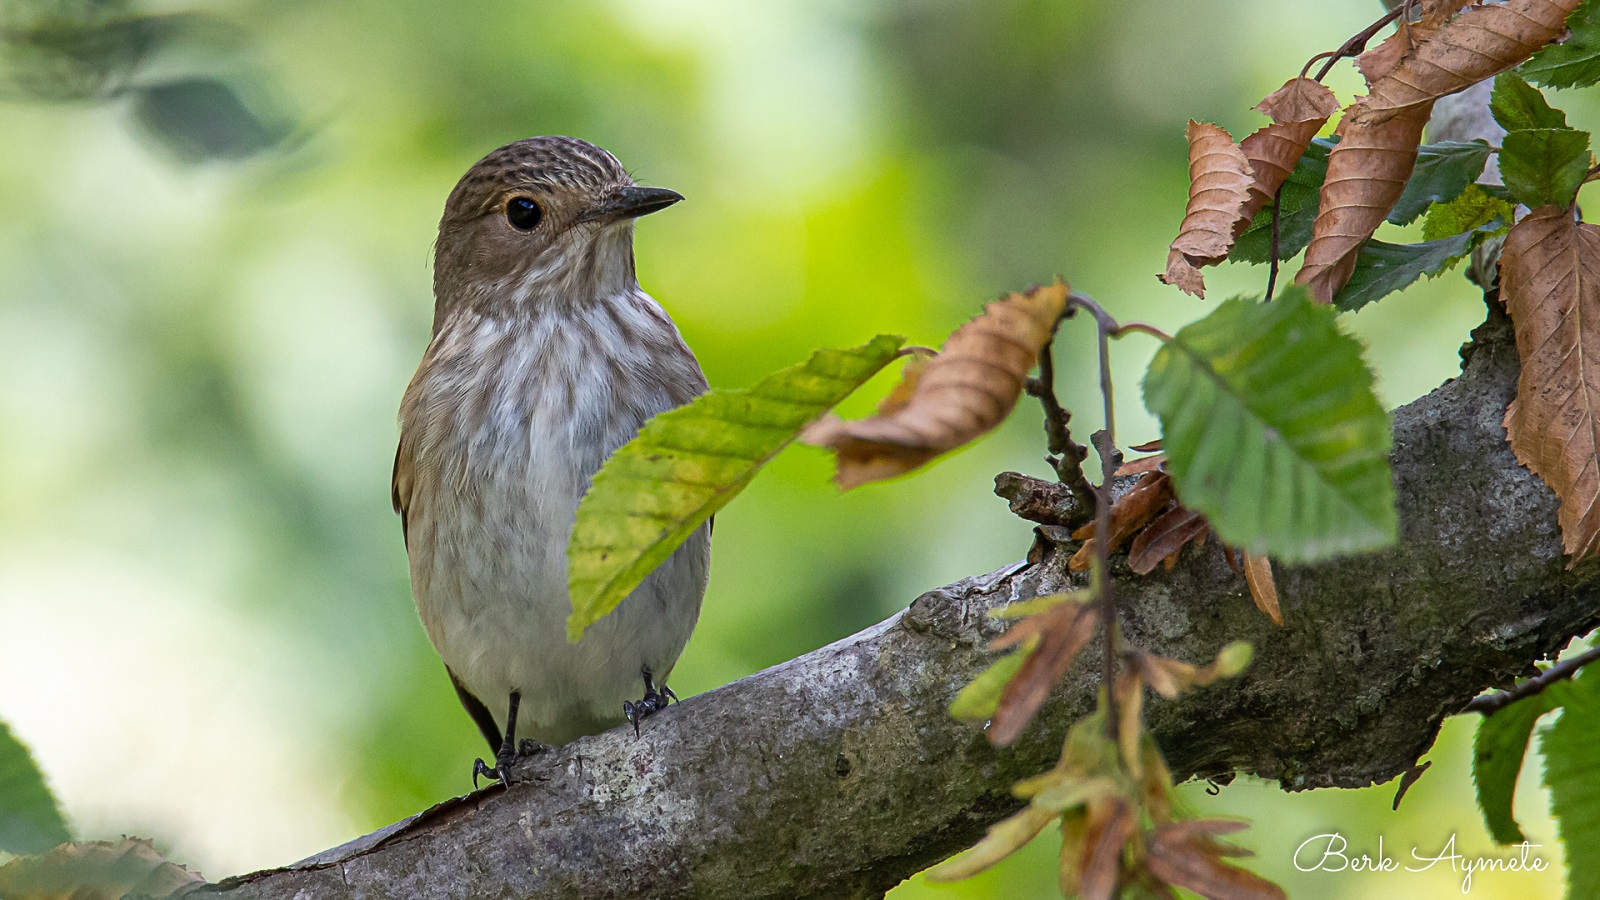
523, 213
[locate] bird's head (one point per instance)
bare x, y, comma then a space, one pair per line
546, 220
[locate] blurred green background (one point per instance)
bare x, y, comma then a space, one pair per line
207, 631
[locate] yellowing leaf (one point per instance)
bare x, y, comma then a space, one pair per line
1550, 279
687, 463
957, 397
977, 701
1477, 44
1219, 187
1003, 839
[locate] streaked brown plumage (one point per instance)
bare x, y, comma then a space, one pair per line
546, 356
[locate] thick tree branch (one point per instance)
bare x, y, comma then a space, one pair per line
839, 773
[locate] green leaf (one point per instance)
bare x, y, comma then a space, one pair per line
1576, 61
1300, 199
687, 463
1545, 166
1272, 431
1443, 171
30, 822
1497, 752
1473, 209
1571, 767
1383, 268
977, 701
1518, 105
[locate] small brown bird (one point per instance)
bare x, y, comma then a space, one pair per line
546, 356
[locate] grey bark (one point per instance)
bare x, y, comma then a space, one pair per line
840, 773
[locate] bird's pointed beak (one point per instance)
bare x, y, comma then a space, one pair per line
633, 201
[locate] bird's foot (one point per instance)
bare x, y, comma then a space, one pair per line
505, 762
653, 702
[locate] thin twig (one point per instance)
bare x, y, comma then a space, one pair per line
1144, 327
1358, 43
1561, 671
1066, 455
1105, 442
1272, 255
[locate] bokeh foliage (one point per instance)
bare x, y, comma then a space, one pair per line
202, 359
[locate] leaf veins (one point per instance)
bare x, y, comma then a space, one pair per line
1550, 278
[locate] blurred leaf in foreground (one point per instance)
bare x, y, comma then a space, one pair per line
687, 463
1272, 431
30, 821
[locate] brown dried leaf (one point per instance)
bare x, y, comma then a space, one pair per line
1219, 186
1142, 465
1550, 279
1183, 854
1382, 59
1074, 834
1298, 111
1157, 784
1109, 827
1129, 697
1003, 839
1129, 513
99, 870
1480, 43
1063, 632
1263, 589
1367, 171
1167, 677
1438, 12
953, 399
1165, 538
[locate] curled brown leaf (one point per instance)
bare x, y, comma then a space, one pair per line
1219, 187
1550, 279
1367, 172
1165, 538
1129, 513
1477, 44
1298, 111
1186, 855
1263, 589
1063, 631
950, 400
1109, 827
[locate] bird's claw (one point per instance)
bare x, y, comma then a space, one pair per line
653, 702
505, 761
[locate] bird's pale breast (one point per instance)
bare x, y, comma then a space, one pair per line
505, 423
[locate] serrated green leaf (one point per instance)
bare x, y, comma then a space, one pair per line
1545, 166
30, 821
1443, 171
1475, 208
977, 701
1518, 105
1300, 200
1272, 431
1497, 753
1574, 62
687, 463
1383, 268
1572, 773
